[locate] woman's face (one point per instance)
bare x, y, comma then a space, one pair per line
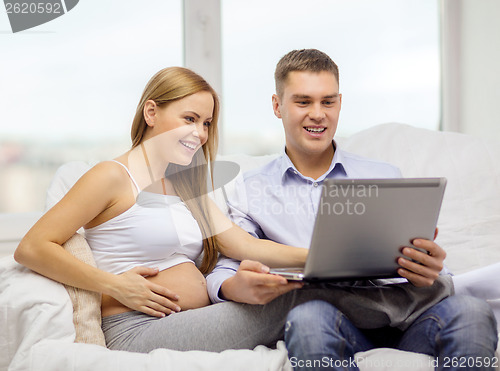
180, 128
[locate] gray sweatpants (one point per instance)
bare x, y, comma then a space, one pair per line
232, 325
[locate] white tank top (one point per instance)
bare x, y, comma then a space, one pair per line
157, 231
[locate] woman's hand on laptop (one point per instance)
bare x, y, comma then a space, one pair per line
252, 284
426, 265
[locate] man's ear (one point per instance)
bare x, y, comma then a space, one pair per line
276, 106
150, 112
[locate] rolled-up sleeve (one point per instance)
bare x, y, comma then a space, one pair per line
239, 214
225, 268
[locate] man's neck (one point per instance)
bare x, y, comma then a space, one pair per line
312, 165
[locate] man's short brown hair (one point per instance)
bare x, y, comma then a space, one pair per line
311, 60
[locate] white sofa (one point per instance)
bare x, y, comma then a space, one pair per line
36, 329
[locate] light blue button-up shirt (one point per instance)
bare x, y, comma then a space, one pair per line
278, 203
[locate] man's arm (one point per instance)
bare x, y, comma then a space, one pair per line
239, 214
224, 269
252, 284
249, 282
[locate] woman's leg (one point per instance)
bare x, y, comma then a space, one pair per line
215, 328
232, 325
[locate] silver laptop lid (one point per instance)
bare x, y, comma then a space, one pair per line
362, 224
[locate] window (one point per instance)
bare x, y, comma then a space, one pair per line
387, 52
70, 87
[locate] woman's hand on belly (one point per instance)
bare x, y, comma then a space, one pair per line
179, 287
136, 290
188, 282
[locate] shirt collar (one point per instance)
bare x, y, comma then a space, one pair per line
337, 165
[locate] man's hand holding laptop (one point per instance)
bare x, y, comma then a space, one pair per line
253, 284
426, 269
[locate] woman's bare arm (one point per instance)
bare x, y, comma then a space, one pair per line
238, 244
93, 196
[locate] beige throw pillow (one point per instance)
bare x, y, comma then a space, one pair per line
86, 304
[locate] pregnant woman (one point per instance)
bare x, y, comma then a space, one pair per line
153, 230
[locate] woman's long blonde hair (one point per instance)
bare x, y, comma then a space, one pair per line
190, 182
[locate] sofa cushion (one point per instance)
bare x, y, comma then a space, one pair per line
86, 304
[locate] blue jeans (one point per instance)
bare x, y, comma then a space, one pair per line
460, 331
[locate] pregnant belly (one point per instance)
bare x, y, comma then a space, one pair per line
183, 279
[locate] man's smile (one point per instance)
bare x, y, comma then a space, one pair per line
315, 131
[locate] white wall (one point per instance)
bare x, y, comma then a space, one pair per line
481, 62
471, 80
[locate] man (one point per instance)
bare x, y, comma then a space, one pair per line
278, 202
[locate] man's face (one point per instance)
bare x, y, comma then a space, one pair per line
309, 109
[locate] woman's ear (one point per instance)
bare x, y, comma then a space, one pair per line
150, 112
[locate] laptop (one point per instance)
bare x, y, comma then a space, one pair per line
362, 224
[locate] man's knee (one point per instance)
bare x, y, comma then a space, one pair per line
472, 321
469, 324
470, 309
313, 317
